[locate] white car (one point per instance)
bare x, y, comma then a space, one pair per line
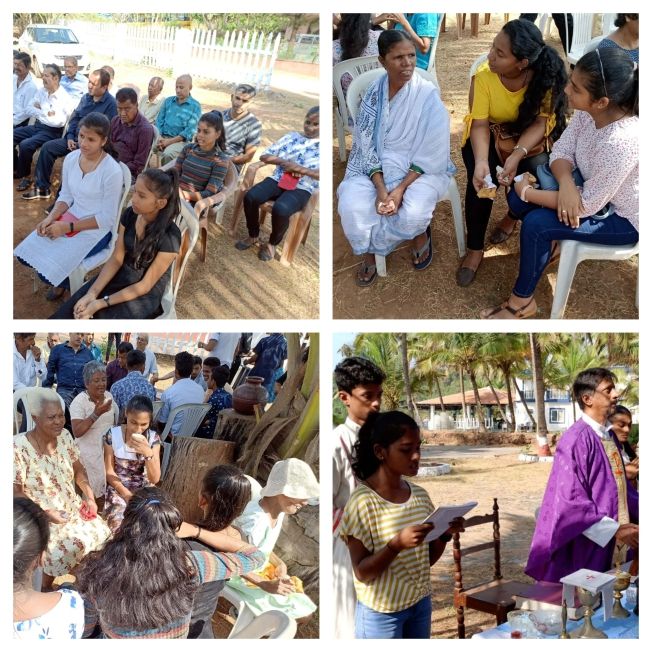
51, 44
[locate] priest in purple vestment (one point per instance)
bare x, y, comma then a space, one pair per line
589, 514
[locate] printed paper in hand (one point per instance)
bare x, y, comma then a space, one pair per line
442, 517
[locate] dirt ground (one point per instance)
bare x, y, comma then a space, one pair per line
519, 489
433, 293
230, 284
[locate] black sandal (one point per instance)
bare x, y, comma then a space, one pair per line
363, 270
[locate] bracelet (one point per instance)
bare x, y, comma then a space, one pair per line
525, 149
72, 227
445, 538
523, 193
198, 532
94, 417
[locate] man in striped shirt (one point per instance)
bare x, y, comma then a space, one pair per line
242, 129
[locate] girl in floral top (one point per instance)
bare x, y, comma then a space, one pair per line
295, 178
601, 143
131, 458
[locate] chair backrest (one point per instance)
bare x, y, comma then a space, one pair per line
592, 44
608, 23
102, 256
193, 415
582, 33
157, 405
354, 67
189, 226
432, 69
360, 84
152, 149
22, 394
493, 544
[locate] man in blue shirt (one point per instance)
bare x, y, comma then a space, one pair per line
87, 339
98, 100
67, 361
72, 81
183, 391
133, 384
269, 355
177, 120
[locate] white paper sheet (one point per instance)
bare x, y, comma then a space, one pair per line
442, 517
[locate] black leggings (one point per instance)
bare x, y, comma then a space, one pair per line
286, 203
478, 211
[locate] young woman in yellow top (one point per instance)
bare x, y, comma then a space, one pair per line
522, 88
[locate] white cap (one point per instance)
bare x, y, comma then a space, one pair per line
292, 478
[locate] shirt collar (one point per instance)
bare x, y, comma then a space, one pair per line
603, 431
352, 425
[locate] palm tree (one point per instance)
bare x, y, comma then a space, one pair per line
543, 448
405, 367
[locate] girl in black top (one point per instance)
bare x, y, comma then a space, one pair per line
133, 281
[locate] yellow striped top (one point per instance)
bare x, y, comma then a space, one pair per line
374, 521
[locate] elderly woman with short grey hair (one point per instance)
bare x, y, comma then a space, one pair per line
92, 414
47, 467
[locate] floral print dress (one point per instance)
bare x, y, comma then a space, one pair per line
49, 480
130, 468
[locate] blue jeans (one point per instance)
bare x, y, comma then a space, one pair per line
541, 227
413, 622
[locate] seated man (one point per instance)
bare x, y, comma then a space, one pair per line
24, 88
177, 120
150, 104
133, 384
197, 375
99, 100
111, 72
66, 363
73, 82
131, 134
218, 398
51, 107
151, 368
117, 369
183, 391
242, 129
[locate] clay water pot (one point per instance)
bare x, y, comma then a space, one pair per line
249, 394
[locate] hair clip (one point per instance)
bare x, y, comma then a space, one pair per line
152, 501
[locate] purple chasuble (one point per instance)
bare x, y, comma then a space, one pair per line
580, 491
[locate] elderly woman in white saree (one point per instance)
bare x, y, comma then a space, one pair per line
399, 163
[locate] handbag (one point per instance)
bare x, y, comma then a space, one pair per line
505, 142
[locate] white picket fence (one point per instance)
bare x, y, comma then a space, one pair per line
173, 343
234, 57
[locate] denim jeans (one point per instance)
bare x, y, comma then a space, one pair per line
541, 227
413, 622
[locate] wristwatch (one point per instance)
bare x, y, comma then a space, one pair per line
105, 298
72, 227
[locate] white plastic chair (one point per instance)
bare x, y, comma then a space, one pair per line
78, 275
22, 394
582, 34
356, 90
188, 223
157, 405
193, 415
269, 624
152, 149
573, 253
608, 24
354, 67
433, 52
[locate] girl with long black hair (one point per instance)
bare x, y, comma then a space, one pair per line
600, 205
520, 91
143, 582
133, 281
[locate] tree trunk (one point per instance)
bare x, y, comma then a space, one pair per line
498, 405
510, 397
406, 377
478, 404
464, 408
235, 427
189, 460
441, 398
543, 449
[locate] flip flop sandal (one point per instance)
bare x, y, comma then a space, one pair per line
54, 294
417, 253
555, 254
519, 313
363, 270
499, 235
